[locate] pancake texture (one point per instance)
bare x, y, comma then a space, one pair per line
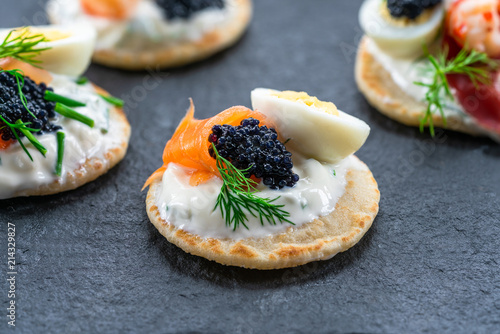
386, 96
320, 239
92, 168
182, 53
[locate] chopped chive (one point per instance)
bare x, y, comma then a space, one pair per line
31, 138
334, 173
60, 152
22, 145
81, 81
53, 97
70, 113
113, 100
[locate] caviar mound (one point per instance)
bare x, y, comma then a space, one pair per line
12, 108
184, 9
256, 151
410, 8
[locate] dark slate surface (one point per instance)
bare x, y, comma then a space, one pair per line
90, 261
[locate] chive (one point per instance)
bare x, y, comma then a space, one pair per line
31, 138
81, 81
22, 145
60, 152
53, 97
70, 113
113, 100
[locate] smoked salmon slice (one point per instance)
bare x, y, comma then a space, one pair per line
111, 9
38, 75
189, 145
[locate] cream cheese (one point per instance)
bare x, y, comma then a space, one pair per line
191, 208
18, 172
147, 28
405, 71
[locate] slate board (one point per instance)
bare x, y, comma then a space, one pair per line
90, 261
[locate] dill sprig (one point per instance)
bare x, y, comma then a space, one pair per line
237, 196
23, 46
476, 65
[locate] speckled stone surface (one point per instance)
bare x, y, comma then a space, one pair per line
90, 261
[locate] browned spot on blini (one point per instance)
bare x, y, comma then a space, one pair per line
187, 237
241, 250
289, 251
350, 236
214, 245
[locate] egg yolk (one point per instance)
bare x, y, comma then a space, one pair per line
50, 35
311, 101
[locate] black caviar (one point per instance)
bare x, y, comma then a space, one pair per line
409, 8
12, 109
256, 148
185, 8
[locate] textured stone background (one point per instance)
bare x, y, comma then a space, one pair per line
90, 261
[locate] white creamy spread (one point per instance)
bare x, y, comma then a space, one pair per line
147, 28
191, 208
18, 172
406, 71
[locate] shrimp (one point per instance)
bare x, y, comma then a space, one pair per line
475, 24
111, 9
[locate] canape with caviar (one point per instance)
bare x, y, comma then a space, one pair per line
432, 63
268, 188
139, 34
57, 131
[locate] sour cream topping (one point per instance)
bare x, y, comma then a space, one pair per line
191, 208
18, 172
147, 28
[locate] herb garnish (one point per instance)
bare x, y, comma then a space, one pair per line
53, 97
82, 80
23, 46
70, 113
238, 194
60, 152
113, 100
28, 132
476, 65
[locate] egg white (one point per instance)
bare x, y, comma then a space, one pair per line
68, 56
399, 41
312, 132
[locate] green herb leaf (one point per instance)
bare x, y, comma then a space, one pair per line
70, 113
81, 81
476, 65
237, 195
53, 97
28, 132
22, 45
113, 100
60, 152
